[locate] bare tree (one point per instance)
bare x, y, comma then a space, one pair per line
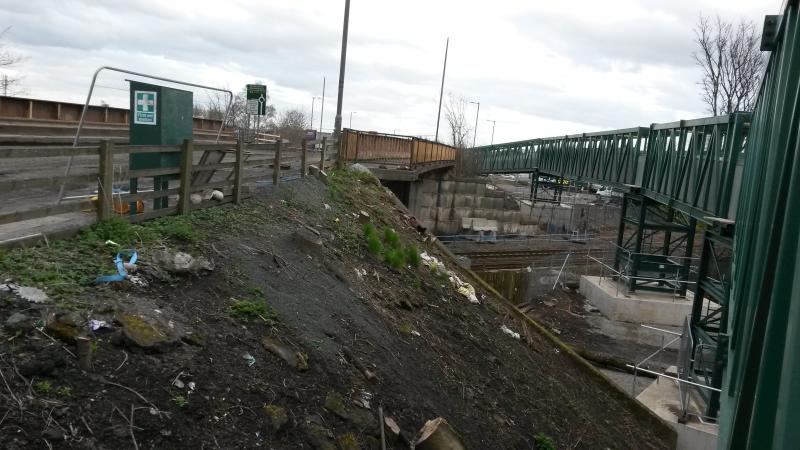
455, 114
9, 83
238, 116
292, 124
732, 63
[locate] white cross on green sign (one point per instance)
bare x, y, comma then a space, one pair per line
146, 104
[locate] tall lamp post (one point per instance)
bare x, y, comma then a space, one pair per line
351, 118
313, 99
494, 122
337, 124
475, 133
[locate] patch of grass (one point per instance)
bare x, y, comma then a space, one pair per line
180, 401
64, 391
417, 283
253, 309
65, 268
43, 387
93, 346
405, 328
544, 442
349, 441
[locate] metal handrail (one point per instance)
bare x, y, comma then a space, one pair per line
139, 74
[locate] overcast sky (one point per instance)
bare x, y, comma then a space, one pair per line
539, 68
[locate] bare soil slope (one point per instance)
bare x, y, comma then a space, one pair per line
184, 361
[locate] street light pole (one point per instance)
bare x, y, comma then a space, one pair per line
475, 133
351, 118
313, 99
337, 124
441, 90
494, 122
322, 107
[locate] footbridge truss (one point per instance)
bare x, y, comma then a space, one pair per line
677, 178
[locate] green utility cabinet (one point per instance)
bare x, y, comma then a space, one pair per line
159, 115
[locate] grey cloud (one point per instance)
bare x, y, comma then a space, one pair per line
631, 42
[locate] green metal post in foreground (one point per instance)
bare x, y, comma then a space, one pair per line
761, 391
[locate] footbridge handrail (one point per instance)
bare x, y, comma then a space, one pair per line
691, 165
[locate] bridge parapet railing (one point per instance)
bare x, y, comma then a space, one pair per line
368, 146
692, 165
696, 164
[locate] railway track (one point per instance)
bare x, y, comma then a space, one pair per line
511, 259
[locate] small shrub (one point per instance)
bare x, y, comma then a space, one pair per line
374, 245
394, 257
348, 441
544, 442
412, 256
251, 309
43, 387
391, 237
180, 401
369, 230
64, 391
405, 329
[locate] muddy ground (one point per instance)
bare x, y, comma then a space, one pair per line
183, 362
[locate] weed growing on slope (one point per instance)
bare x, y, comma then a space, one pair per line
255, 307
544, 442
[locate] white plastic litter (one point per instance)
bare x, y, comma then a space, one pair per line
95, 325
250, 359
461, 287
31, 294
509, 332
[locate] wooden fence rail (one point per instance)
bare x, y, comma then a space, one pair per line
239, 165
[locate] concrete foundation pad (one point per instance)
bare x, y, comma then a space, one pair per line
639, 307
662, 397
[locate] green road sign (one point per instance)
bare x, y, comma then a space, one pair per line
256, 99
146, 107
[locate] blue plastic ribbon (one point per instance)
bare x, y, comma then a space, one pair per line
120, 263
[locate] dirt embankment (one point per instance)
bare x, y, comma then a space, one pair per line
294, 340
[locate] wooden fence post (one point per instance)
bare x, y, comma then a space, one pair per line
322, 154
303, 158
105, 188
237, 172
187, 152
276, 171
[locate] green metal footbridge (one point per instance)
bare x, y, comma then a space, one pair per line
735, 179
